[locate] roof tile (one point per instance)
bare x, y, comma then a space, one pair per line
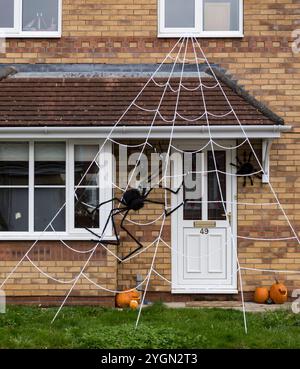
101, 102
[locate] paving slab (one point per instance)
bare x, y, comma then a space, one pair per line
236, 305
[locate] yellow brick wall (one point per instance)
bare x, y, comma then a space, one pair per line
47, 260
123, 32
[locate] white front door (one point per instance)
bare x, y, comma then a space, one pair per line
203, 245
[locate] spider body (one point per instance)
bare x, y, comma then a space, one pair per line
133, 199
246, 168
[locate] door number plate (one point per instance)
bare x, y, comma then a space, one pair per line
205, 224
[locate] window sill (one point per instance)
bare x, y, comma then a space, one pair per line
21, 236
31, 35
203, 35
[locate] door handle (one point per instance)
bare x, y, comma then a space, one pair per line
229, 216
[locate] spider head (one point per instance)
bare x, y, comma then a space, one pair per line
246, 168
133, 199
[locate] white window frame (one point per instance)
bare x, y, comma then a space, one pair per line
104, 192
164, 32
17, 31
71, 233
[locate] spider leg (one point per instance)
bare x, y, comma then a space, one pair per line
251, 180
148, 192
155, 202
175, 192
238, 161
257, 175
168, 213
88, 208
111, 216
250, 156
140, 246
234, 165
106, 202
244, 184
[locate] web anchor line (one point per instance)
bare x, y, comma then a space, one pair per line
247, 138
221, 196
165, 185
89, 167
143, 149
146, 143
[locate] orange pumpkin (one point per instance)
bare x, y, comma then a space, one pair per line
278, 293
133, 304
135, 295
261, 295
123, 299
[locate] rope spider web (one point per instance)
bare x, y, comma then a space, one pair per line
181, 50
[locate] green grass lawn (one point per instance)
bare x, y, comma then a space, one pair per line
160, 327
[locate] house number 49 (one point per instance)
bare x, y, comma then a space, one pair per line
204, 231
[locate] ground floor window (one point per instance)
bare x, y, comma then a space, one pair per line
42, 180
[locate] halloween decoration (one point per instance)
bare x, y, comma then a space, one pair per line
261, 295
246, 168
133, 304
124, 299
278, 293
132, 200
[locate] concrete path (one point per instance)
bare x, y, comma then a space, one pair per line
236, 305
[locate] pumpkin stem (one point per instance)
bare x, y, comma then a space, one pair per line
277, 282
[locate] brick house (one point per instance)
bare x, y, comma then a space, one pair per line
68, 72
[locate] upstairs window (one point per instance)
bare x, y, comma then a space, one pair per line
30, 18
200, 18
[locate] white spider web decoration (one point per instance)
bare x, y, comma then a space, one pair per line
178, 55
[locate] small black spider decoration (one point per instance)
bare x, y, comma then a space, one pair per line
132, 200
246, 168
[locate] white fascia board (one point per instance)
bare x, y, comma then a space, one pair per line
137, 132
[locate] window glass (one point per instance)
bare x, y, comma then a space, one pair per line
50, 180
179, 14
7, 8
84, 155
87, 194
85, 200
221, 15
215, 206
40, 15
192, 194
13, 209
14, 163
50, 163
47, 202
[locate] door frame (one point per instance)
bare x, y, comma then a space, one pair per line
230, 157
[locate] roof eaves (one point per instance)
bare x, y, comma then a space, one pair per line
240, 91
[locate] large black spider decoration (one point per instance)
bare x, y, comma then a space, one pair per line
132, 200
246, 168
